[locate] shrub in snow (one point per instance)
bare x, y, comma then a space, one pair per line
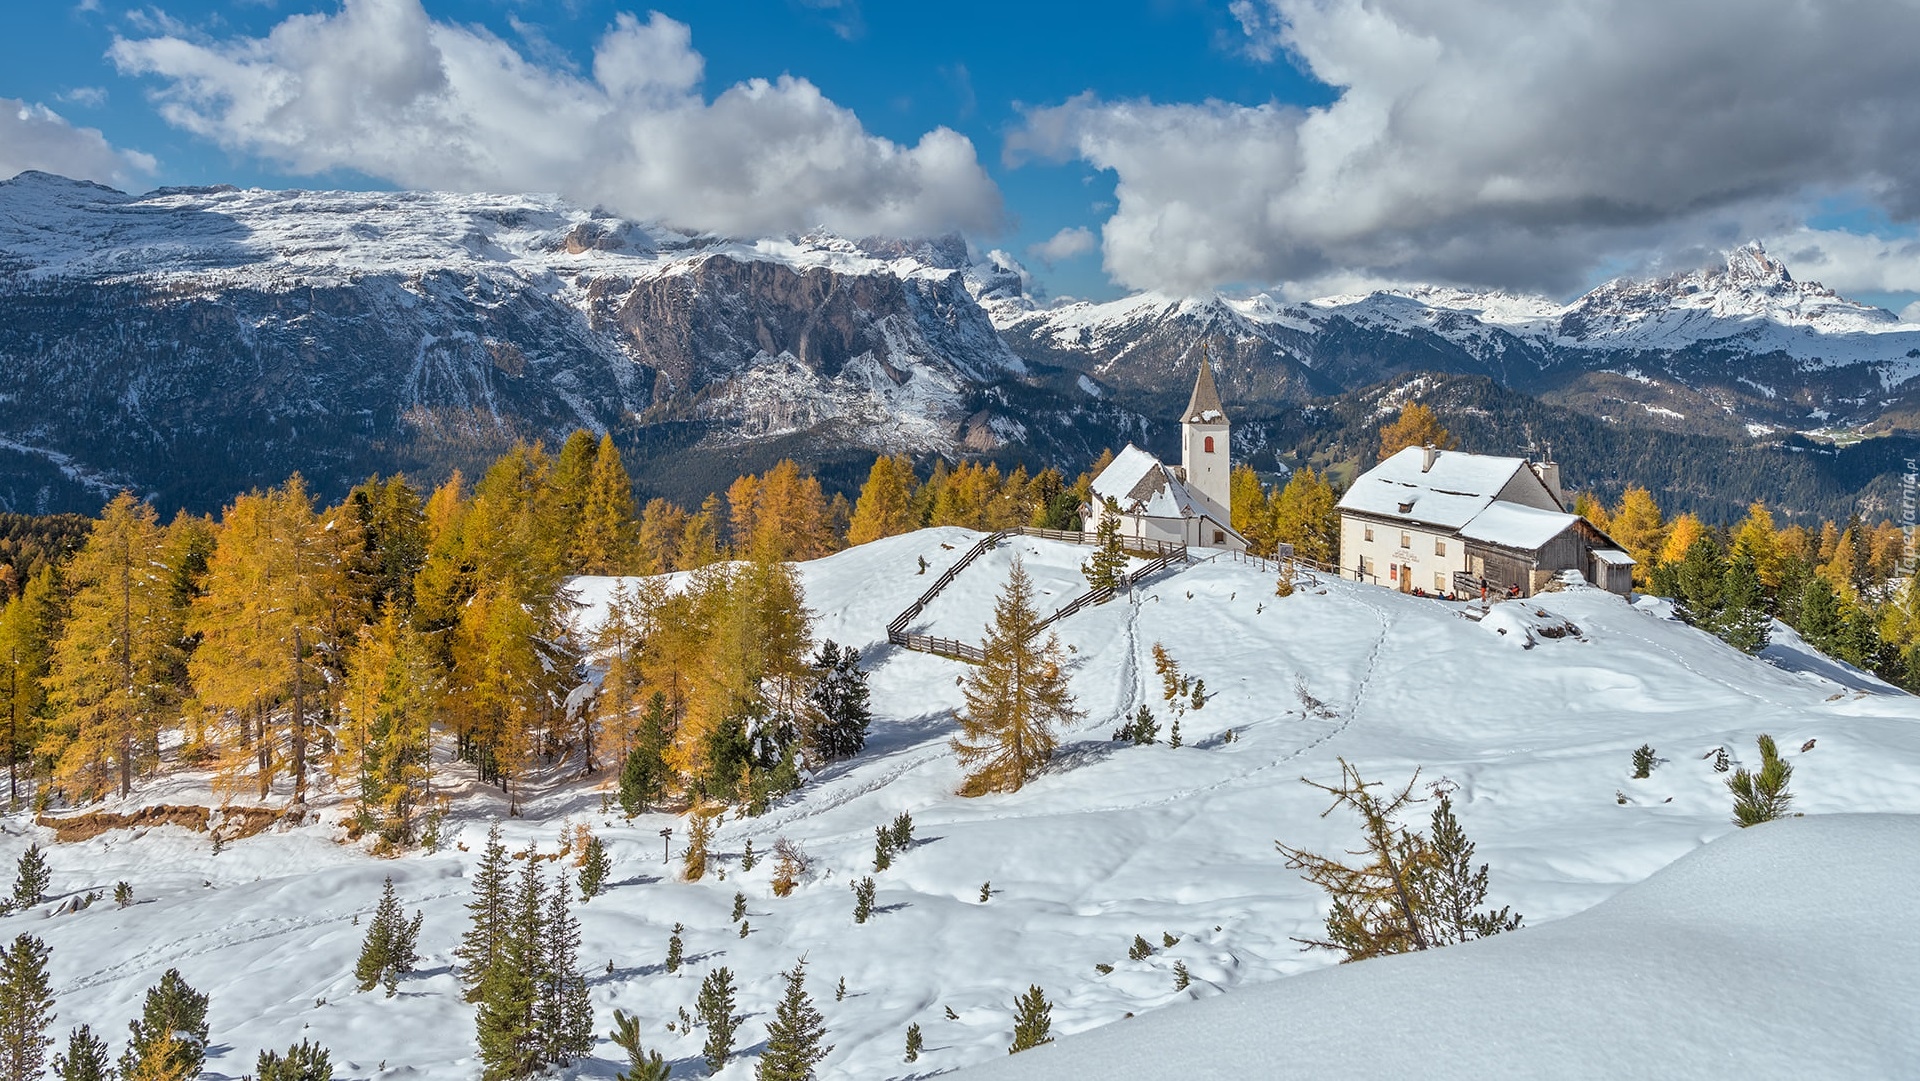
1763, 796
915, 1042
1140, 950
303, 1061
1643, 761
1032, 1020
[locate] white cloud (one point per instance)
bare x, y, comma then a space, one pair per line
1502, 143
381, 88
1063, 245
1850, 262
33, 136
91, 97
1911, 313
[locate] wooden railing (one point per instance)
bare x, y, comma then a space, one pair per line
896, 630
1135, 545
1166, 554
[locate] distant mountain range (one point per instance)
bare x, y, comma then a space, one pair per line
194, 342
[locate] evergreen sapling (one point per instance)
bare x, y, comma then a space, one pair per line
389, 950
594, 868
32, 879
863, 900
642, 1065
915, 1042
1643, 762
795, 1037
169, 1040
1032, 1020
85, 1058
26, 1009
715, 1010
1762, 796
675, 953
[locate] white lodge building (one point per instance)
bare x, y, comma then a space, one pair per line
1191, 504
1448, 522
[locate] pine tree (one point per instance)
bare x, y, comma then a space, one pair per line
32, 876
715, 1009
392, 691
915, 1043
1763, 796
837, 713
1140, 950
1376, 905
644, 774
1744, 621
480, 945
1108, 565
1451, 890
902, 830
303, 1062
513, 1045
739, 907
169, 1040
1182, 979
675, 951
85, 1058
123, 893
747, 858
1643, 762
882, 848
594, 868
1032, 1020
608, 536
26, 1009
564, 1012
389, 950
642, 1065
863, 900
795, 1035
1014, 699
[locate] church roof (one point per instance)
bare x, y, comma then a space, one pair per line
1145, 487
1204, 407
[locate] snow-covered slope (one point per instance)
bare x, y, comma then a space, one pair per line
1778, 952
1114, 841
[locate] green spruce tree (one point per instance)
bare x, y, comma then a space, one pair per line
644, 774
488, 910
1744, 621
1451, 889
389, 951
1107, 569
1032, 1020
594, 868
85, 1058
170, 1037
675, 951
303, 1062
1643, 762
564, 1011
26, 1009
795, 1037
512, 1044
31, 879
715, 1009
863, 900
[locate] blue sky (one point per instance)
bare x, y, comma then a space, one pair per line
1173, 144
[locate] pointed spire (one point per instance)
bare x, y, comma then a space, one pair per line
1205, 398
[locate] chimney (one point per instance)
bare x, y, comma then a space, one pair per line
1549, 474
1429, 454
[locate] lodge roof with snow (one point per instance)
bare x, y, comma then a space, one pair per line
1506, 514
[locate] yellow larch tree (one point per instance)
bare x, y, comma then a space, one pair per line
109, 688
1015, 700
383, 750
606, 541
1637, 526
1416, 426
1681, 533
885, 506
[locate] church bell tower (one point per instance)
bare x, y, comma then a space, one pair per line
1204, 447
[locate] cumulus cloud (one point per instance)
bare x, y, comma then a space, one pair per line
1517, 143
1911, 313
1850, 262
381, 88
1063, 245
33, 136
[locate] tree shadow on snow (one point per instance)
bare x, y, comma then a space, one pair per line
1084, 753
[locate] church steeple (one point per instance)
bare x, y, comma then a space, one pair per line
1204, 459
1205, 400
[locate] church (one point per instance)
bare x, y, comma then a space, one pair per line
1190, 504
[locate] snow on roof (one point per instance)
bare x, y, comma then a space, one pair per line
1143, 486
1511, 525
1614, 556
1459, 486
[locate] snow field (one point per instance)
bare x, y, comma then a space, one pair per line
1114, 841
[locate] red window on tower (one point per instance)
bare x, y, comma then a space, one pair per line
1209, 444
